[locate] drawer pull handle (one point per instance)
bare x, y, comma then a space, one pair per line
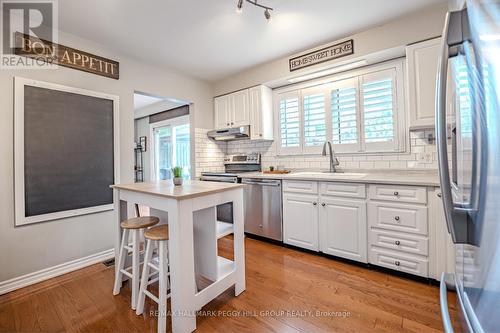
315, 203
397, 242
323, 204
439, 195
396, 218
397, 263
396, 193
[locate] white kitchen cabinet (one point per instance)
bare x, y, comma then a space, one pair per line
252, 107
221, 109
300, 220
232, 110
261, 113
442, 250
240, 108
342, 226
421, 63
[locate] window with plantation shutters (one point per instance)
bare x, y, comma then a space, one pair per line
378, 103
289, 122
313, 103
344, 108
359, 111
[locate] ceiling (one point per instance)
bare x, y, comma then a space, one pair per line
141, 101
209, 40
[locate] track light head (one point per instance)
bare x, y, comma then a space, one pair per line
239, 7
267, 14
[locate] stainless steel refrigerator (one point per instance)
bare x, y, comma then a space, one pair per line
468, 144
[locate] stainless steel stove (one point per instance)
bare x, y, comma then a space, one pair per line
233, 165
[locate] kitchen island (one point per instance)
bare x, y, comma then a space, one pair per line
191, 210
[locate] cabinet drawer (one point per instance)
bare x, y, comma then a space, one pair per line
399, 261
411, 194
298, 186
343, 190
399, 241
398, 217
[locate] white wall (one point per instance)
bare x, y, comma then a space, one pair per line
409, 29
30, 248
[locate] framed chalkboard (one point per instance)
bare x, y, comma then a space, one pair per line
65, 151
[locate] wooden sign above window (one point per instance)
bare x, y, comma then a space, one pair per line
57, 54
326, 54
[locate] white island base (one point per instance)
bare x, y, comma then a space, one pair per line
193, 234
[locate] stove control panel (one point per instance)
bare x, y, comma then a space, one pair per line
253, 158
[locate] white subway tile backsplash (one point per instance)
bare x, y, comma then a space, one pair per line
209, 155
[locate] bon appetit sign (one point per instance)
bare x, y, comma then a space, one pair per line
42, 50
326, 54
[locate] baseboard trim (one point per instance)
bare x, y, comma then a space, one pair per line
51, 272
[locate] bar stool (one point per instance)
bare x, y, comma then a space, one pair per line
136, 225
157, 235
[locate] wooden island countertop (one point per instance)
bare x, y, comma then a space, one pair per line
190, 188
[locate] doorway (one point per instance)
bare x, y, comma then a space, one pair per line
170, 148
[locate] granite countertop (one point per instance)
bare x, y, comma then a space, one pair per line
189, 189
388, 176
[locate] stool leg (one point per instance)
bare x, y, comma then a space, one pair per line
121, 263
145, 277
162, 306
135, 267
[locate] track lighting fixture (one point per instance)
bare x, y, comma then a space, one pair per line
267, 10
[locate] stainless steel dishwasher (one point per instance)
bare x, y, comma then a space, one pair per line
263, 215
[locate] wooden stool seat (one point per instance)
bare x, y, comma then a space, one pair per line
158, 233
140, 222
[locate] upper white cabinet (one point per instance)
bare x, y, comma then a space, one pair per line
222, 116
239, 109
261, 113
251, 106
422, 63
232, 110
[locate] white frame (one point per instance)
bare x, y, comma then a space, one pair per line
346, 83
288, 150
181, 120
400, 139
20, 217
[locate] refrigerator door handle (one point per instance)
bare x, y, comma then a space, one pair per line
456, 217
443, 301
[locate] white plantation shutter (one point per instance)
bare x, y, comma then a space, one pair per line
379, 110
289, 122
361, 111
345, 115
313, 101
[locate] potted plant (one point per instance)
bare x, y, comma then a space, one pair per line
177, 173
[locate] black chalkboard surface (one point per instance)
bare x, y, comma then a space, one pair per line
68, 151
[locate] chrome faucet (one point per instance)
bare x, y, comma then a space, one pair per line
333, 160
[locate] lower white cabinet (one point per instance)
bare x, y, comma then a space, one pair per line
342, 226
300, 220
330, 224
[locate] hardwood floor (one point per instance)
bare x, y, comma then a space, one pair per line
287, 291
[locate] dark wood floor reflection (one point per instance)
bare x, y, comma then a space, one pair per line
287, 291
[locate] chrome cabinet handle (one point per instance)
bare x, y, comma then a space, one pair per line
397, 242
315, 203
396, 193
396, 218
439, 195
323, 204
397, 263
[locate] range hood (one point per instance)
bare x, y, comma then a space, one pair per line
229, 134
